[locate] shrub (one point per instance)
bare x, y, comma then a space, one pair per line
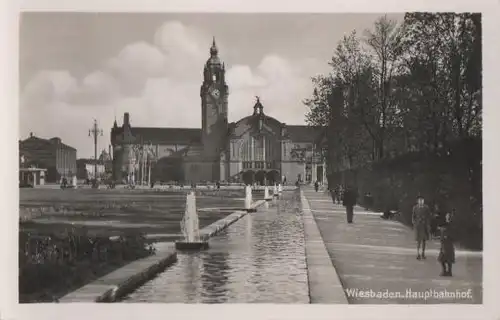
51, 265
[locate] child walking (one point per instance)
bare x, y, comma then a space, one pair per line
447, 250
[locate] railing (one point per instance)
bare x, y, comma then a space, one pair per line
259, 164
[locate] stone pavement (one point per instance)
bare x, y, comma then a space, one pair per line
376, 259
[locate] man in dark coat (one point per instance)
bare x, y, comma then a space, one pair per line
421, 218
349, 201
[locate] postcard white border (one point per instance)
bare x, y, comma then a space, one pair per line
9, 309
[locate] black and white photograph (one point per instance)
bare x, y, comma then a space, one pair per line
250, 158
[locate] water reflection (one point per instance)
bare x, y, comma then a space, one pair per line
191, 285
215, 277
260, 258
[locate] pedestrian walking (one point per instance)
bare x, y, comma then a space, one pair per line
316, 186
447, 251
349, 200
421, 217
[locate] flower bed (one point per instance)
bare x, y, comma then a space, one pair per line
52, 265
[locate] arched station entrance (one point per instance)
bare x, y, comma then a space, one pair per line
261, 177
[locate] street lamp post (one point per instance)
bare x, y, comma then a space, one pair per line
95, 132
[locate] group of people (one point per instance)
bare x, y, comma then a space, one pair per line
424, 222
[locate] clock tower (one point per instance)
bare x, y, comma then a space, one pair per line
214, 94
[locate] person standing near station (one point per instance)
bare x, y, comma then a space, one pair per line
349, 201
421, 218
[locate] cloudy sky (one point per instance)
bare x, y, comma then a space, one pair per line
75, 67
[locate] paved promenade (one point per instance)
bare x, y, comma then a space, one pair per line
378, 258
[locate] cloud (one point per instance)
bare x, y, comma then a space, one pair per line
280, 83
158, 83
241, 77
175, 40
47, 86
135, 64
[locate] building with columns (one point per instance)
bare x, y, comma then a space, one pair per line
256, 149
57, 158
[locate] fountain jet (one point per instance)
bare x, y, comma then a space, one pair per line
266, 194
190, 227
248, 199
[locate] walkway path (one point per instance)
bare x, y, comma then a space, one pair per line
378, 258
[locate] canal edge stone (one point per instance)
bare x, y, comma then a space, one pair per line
117, 284
219, 225
324, 282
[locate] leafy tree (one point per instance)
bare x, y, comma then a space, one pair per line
412, 86
384, 43
319, 103
443, 53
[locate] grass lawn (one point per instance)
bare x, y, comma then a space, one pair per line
114, 212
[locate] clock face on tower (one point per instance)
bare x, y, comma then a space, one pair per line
215, 93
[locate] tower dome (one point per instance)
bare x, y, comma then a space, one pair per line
214, 51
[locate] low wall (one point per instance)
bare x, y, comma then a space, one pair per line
219, 225
178, 187
126, 279
323, 279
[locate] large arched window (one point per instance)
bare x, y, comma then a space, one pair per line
259, 151
259, 148
246, 153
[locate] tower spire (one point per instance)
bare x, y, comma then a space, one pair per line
213, 49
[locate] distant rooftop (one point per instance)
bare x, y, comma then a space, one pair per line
164, 135
41, 141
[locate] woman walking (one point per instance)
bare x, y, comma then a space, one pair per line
447, 250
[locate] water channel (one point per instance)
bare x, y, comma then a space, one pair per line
258, 259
